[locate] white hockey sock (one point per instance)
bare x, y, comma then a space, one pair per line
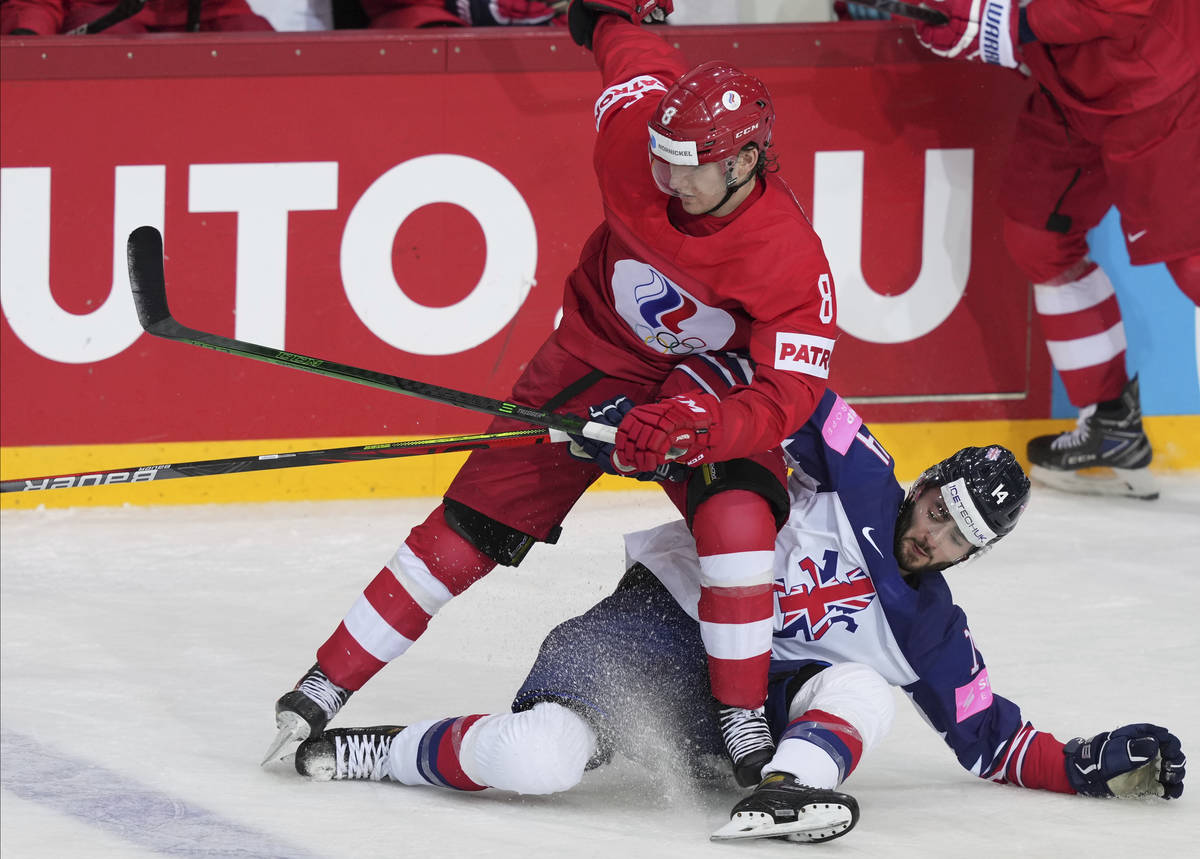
811, 764
539, 751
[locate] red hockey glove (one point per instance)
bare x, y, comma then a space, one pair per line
612, 412
504, 13
984, 30
686, 427
583, 14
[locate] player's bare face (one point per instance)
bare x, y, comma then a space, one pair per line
930, 539
699, 187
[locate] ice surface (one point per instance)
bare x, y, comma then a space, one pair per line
143, 649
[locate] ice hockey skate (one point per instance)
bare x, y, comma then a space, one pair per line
1107, 453
782, 807
305, 711
748, 741
342, 754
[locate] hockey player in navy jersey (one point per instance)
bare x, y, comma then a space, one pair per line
860, 605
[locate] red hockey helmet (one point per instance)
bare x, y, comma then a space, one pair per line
711, 113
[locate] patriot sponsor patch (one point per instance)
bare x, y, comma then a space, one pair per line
803, 353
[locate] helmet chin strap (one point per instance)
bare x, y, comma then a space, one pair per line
732, 187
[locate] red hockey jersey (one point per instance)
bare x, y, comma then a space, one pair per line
646, 294
1113, 56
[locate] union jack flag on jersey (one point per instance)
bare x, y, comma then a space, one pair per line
820, 596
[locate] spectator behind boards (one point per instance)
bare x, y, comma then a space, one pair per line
52, 17
401, 14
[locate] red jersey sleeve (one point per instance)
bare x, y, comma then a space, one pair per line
44, 17
1032, 759
1113, 56
1068, 22
624, 50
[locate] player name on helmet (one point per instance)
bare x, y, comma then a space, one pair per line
968, 517
673, 151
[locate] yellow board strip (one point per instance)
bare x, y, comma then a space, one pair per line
1176, 441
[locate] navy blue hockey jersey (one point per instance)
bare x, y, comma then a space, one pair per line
840, 597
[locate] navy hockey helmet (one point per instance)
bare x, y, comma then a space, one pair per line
984, 488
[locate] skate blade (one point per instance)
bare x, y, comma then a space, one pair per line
817, 822
1121, 482
292, 729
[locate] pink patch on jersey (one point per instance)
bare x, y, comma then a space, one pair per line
841, 425
973, 697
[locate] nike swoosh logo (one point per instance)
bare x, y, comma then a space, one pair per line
1133, 237
866, 532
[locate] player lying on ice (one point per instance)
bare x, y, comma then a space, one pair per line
860, 605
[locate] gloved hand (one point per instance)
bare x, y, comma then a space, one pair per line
602, 453
984, 30
1134, 760
583, 14
683, 428
502, 13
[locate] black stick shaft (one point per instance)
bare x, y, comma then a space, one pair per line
146, 277
124, 9
909, 10
298, 459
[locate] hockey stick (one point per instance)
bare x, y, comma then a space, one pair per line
909, 10
298, 459
146, 277
124, 9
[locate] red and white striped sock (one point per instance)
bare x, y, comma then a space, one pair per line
433, 565
735, 539
1084, 332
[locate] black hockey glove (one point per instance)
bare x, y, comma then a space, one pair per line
583, 14
1135, 760
612, 412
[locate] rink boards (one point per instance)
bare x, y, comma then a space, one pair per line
411, 202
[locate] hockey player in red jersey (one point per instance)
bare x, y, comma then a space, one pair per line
861, 606
702, 248
1115, 120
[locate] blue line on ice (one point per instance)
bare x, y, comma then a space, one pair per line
121, 806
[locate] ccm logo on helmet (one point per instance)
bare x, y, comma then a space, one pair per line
746, 130
803, 353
